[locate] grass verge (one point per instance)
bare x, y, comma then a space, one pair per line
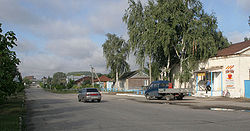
12, 111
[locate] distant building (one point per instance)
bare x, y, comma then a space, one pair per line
30, 78
104, 82
80, 81
44, 80
74, 77
133, 80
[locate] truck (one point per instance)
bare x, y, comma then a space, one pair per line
164, 90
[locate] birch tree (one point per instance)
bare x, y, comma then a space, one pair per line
116, 51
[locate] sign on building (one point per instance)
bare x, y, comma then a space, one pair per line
229, 76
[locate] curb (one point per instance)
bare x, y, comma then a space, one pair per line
119, 94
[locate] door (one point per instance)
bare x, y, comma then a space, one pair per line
247, 88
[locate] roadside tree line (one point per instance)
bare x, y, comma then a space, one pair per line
59, 82
10, 78
165, 34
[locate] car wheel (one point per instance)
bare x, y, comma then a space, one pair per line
147, 97
79, 100
84, 100
99, 100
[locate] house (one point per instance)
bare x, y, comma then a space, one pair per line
32, 79
74, 77
229, 72
133, 80
104, 82
80, 81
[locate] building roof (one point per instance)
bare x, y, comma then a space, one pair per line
83, 79
103, 78
211, 69
129, 74
235, 49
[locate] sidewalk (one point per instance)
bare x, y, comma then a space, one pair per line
216, 103
211, 103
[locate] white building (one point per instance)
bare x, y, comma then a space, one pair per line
229, 72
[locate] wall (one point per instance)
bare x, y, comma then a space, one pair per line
134, 83
241, 69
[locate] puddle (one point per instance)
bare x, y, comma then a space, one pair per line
227, 109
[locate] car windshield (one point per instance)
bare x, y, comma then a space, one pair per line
92, 90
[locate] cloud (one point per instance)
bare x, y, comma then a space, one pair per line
12, 12
42, 64
108, 18
64, 30
25, 46
245, 4
72, 47
236, 36
59, 29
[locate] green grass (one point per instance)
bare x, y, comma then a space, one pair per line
10, 111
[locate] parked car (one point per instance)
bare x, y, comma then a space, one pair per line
89, 94
164, 89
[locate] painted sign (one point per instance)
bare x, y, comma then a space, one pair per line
229, 76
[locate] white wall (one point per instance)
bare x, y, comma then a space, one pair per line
241, 72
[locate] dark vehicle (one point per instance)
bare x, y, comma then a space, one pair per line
89, 94
164, 89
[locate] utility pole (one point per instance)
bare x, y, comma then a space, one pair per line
92, 76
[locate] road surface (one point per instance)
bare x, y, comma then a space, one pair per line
51, 112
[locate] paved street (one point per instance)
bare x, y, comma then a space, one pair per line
49, 112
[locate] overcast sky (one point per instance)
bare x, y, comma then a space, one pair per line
67, 35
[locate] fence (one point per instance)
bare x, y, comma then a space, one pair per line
115, 90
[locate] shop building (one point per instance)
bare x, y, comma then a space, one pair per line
228, 72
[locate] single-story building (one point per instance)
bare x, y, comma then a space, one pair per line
229, 73
133, 80
104, 82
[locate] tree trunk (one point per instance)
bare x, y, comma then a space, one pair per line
117, 81
181, 60
150, 70
168, 70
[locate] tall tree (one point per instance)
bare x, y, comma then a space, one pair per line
116, 51
10, 78
59, 78
194, 34
141, 27
178, 29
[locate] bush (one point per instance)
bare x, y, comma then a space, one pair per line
60, 87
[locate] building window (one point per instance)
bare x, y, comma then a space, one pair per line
145, 82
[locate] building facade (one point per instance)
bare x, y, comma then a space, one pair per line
133, 80
228, 72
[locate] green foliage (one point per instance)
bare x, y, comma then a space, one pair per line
70, 84
26, 81
173, 31
246, 38
80, 73
59, 78
116, 50
10, 111
10, 78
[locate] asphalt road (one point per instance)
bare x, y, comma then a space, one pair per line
51, 112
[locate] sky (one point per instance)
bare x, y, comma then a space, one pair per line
67, 35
